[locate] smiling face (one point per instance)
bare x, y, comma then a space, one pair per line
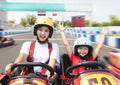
43, 33
82, 50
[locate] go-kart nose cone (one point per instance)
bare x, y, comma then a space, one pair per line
117, 64
114, 58
30, 81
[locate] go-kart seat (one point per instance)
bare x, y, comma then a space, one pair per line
64, 64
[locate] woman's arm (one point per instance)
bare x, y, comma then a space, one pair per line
19, 59
64, 39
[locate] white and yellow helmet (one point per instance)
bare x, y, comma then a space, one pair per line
44, 22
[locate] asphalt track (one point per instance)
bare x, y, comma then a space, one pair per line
9, 54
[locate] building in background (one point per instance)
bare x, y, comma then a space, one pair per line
41, 13
3, 18
78, 21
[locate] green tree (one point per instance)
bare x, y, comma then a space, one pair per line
31, 19
105, 24
67, 23
87, 22
114, 21
23, 22
94, 24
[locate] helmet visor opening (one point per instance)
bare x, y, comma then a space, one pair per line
40, 25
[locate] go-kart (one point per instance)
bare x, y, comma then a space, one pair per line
95, 73
6, 41
30, 78
112, 61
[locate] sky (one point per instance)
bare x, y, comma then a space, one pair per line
101, 9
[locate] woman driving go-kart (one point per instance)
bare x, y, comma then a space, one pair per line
39, 50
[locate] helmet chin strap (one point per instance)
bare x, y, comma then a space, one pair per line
41, 42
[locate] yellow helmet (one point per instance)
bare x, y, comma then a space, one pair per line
44, 22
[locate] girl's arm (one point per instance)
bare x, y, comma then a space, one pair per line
101, 43
64, 39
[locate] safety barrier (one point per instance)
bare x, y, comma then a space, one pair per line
13, 32
94, 35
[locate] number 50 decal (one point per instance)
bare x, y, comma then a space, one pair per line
97, 79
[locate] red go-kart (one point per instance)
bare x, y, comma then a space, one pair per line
112, 61
6, 41
30, 78
96, 73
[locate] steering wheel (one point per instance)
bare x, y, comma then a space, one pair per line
32, 64
88, 66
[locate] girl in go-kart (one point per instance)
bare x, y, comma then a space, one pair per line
39, 50
82, 50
